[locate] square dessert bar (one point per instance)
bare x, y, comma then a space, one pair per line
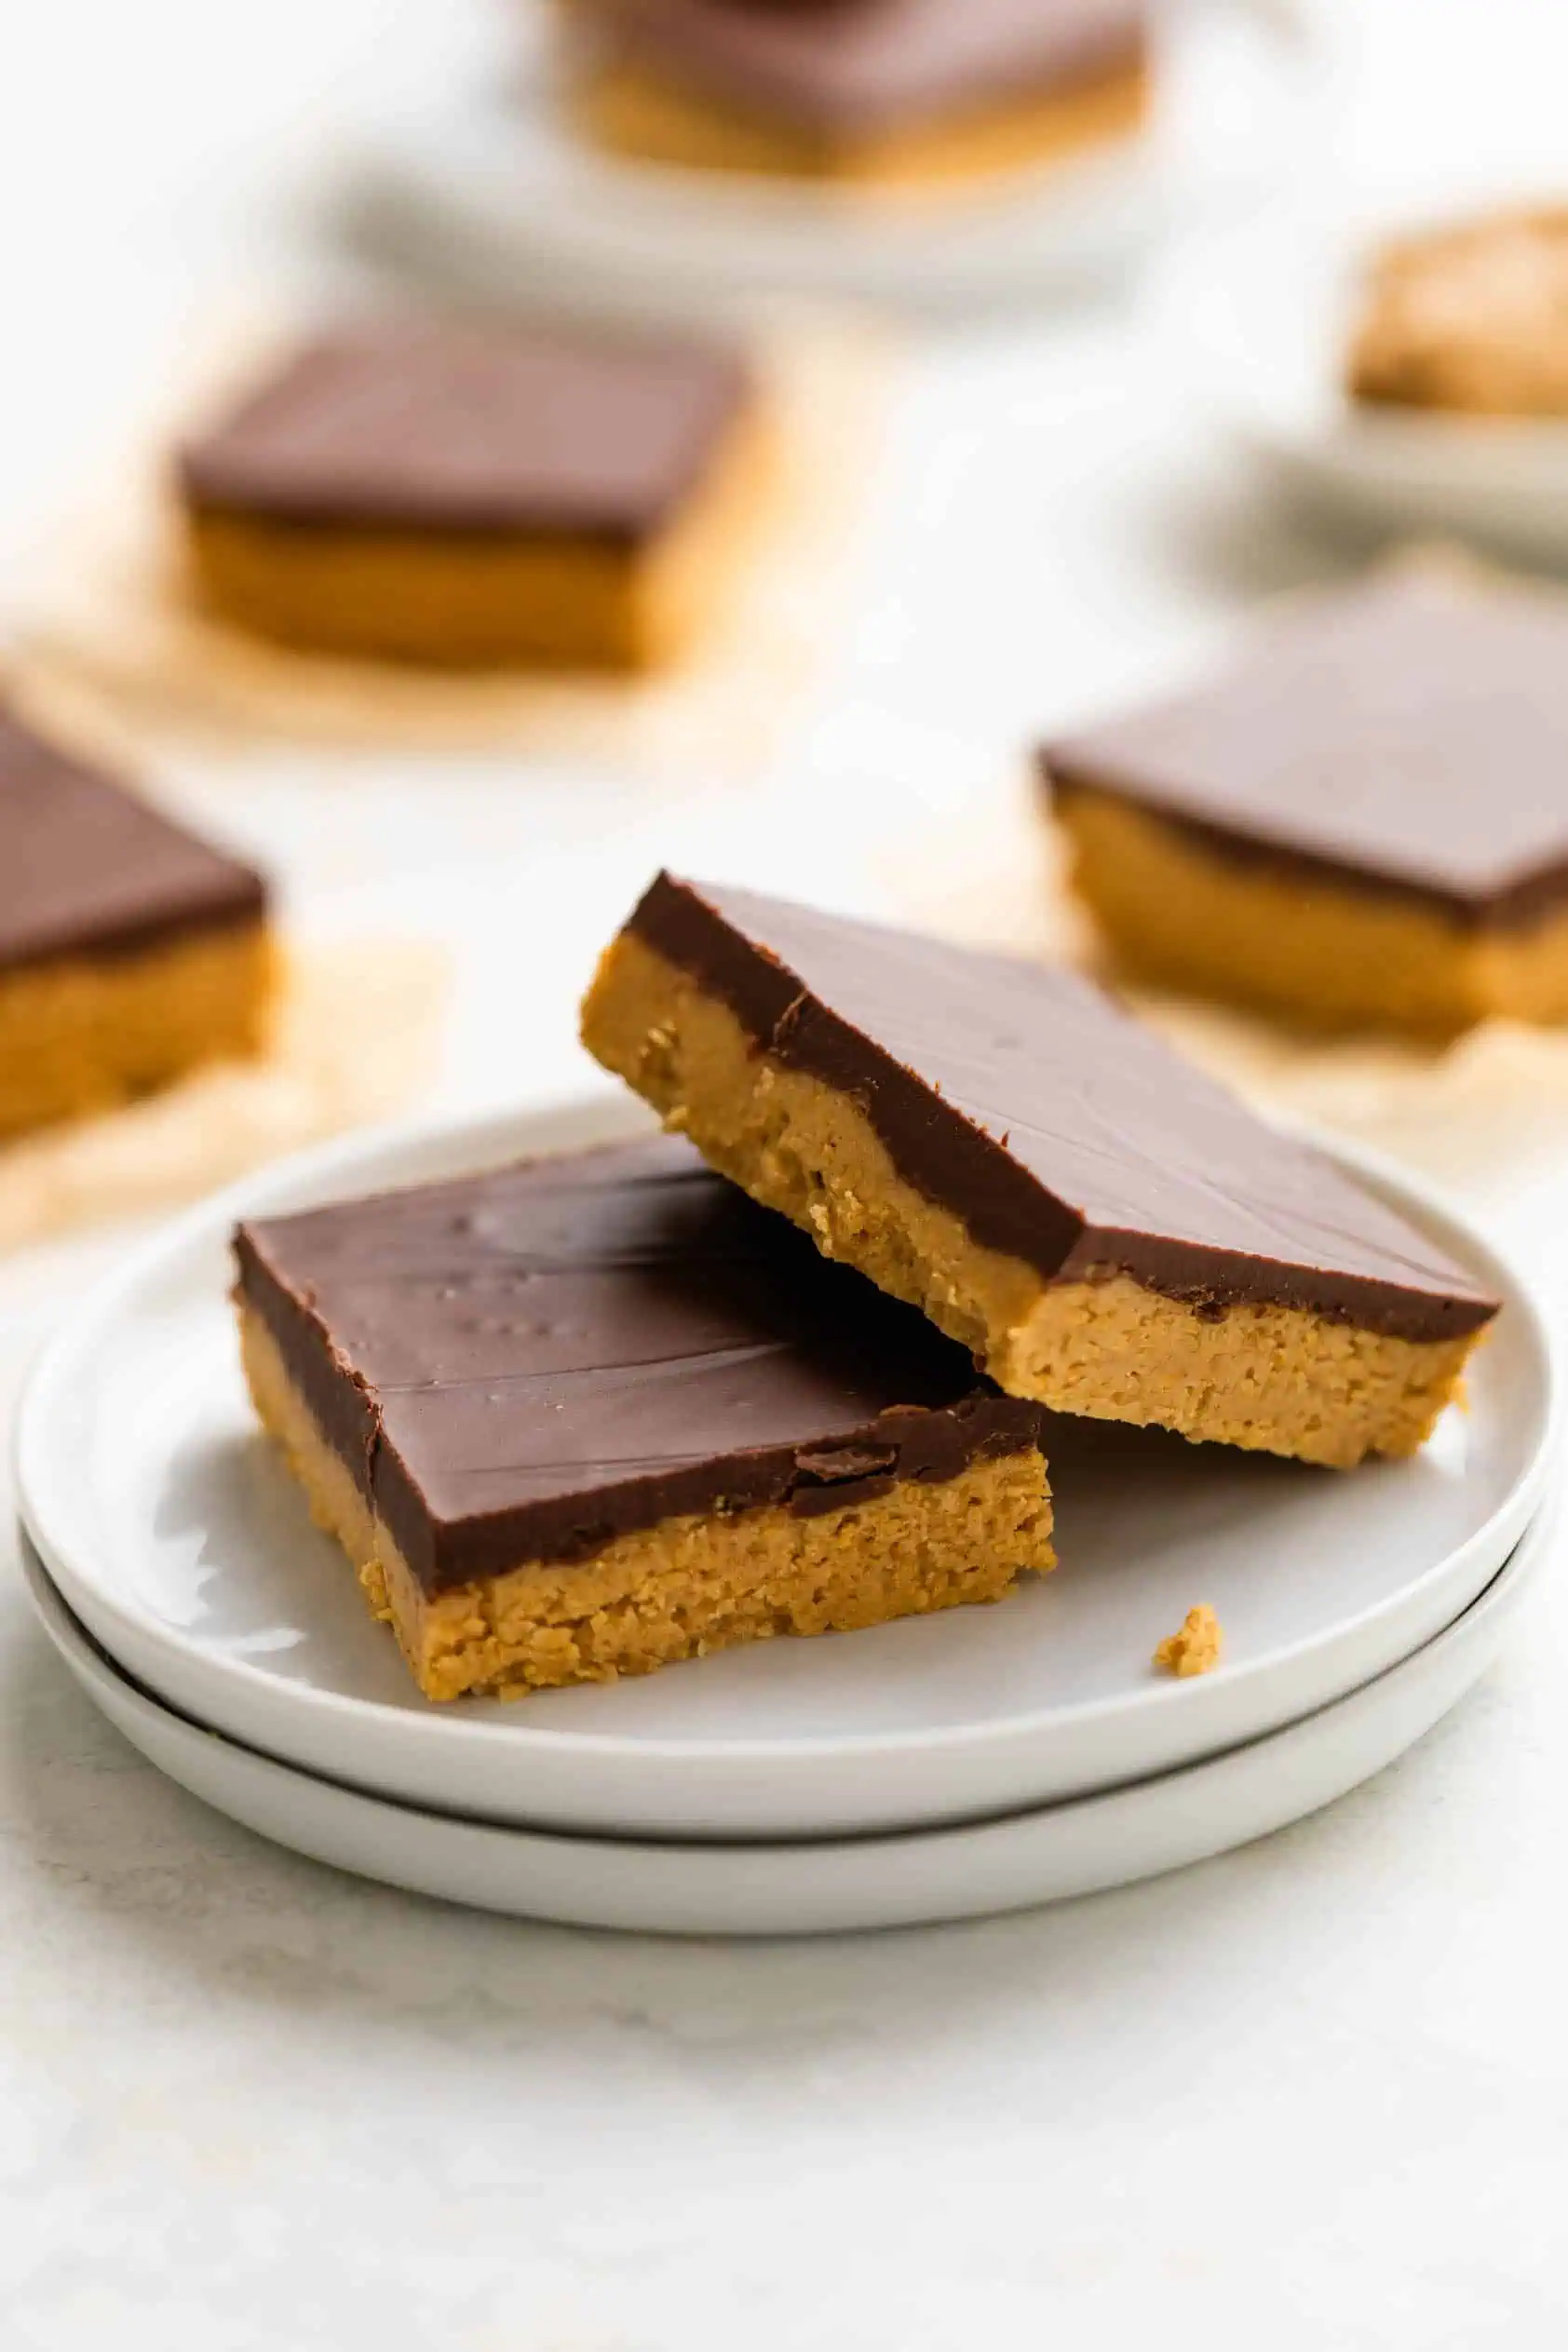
459, 495
129, 950
1363, 822
861, 89
1107, 1230
582, 1417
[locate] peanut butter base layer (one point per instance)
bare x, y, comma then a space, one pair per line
81, 1034
486, 599
1178, 916
1275, 1379
679, 1589
636, 112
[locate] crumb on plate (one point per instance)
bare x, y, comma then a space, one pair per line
1196, 1648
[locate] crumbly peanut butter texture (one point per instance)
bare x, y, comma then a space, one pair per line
81, 1034
1276, 1379
1472, 320
1196, 1645
1180, 915
463, 600
636, 113
688, 1586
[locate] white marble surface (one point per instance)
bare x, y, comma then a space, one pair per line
1311, 2095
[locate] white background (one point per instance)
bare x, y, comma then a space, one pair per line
1313, 2095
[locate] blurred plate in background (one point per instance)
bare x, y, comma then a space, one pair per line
1256, 322
492, 192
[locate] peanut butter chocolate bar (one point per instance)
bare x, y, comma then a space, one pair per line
583, 1417
1364, 822
464, 495
861, 89
1108, 1231
130, 952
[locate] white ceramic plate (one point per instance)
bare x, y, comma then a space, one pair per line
769, 1890
1261, 318
496, 192
179, 1540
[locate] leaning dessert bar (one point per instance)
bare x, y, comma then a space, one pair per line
1108, 1231
583, 1417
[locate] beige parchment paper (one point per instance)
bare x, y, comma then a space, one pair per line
106, 632
357, 1038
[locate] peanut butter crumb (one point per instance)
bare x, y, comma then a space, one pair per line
1196, 1648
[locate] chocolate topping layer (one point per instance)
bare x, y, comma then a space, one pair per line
849, 66
1409, 736
464, 428
1059, 1130
524, 1365
86, 868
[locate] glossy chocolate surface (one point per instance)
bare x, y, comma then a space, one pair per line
525, 1364
846, 66
1408, 737
1055, 1126
466, 429
88, 869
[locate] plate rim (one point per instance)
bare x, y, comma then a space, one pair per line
1522, 1562
357, 1833
482, 1137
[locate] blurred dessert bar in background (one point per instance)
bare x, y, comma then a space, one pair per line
583, 1417
901, 91
1362, 823
469, 495
1107, 1231
130, 952
1473, 319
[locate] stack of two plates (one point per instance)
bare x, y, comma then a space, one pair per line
981, 1761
